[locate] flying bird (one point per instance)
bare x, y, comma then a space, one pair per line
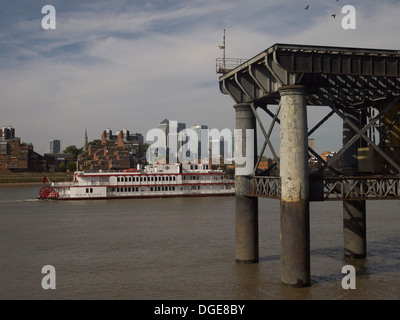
306, 8
334, 16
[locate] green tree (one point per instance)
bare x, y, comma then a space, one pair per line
71, 166
143, 148
73, 150
96, 142
230, 172
61, 167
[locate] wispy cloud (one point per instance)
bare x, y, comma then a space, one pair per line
133, 63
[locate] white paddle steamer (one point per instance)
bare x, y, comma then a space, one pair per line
154, 181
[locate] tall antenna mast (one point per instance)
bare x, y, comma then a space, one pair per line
223, 48
224, 65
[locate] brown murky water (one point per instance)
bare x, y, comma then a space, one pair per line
179, 249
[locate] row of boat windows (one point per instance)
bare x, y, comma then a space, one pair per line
136, 189
140, 179
153, 179
195, 167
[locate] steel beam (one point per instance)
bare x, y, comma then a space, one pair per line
361, 133
266, 136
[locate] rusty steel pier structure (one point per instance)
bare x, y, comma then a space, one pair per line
362, 87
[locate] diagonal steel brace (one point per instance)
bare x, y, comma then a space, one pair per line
361, 133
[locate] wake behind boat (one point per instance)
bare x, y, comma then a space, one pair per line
154, 181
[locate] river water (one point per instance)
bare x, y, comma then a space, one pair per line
180, 249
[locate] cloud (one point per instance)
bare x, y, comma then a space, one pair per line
131, 64
374, 27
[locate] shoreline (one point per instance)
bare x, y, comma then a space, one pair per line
19, 183
20, 178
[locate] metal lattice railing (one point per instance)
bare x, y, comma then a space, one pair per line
269, 187
356, 188
335, 188
224, 65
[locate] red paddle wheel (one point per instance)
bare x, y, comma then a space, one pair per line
48, 192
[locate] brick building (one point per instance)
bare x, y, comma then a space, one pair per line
16, 155
116, 152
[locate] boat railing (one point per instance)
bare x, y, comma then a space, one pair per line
64, 184
77, 183
144, 171
111, 171
194, 181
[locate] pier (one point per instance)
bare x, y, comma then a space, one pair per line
362, 87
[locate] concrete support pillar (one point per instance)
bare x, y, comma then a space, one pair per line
246, 208
354, 212
295, 221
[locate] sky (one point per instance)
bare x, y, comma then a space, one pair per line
131, 64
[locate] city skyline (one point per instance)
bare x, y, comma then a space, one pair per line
210, 133
128, 64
